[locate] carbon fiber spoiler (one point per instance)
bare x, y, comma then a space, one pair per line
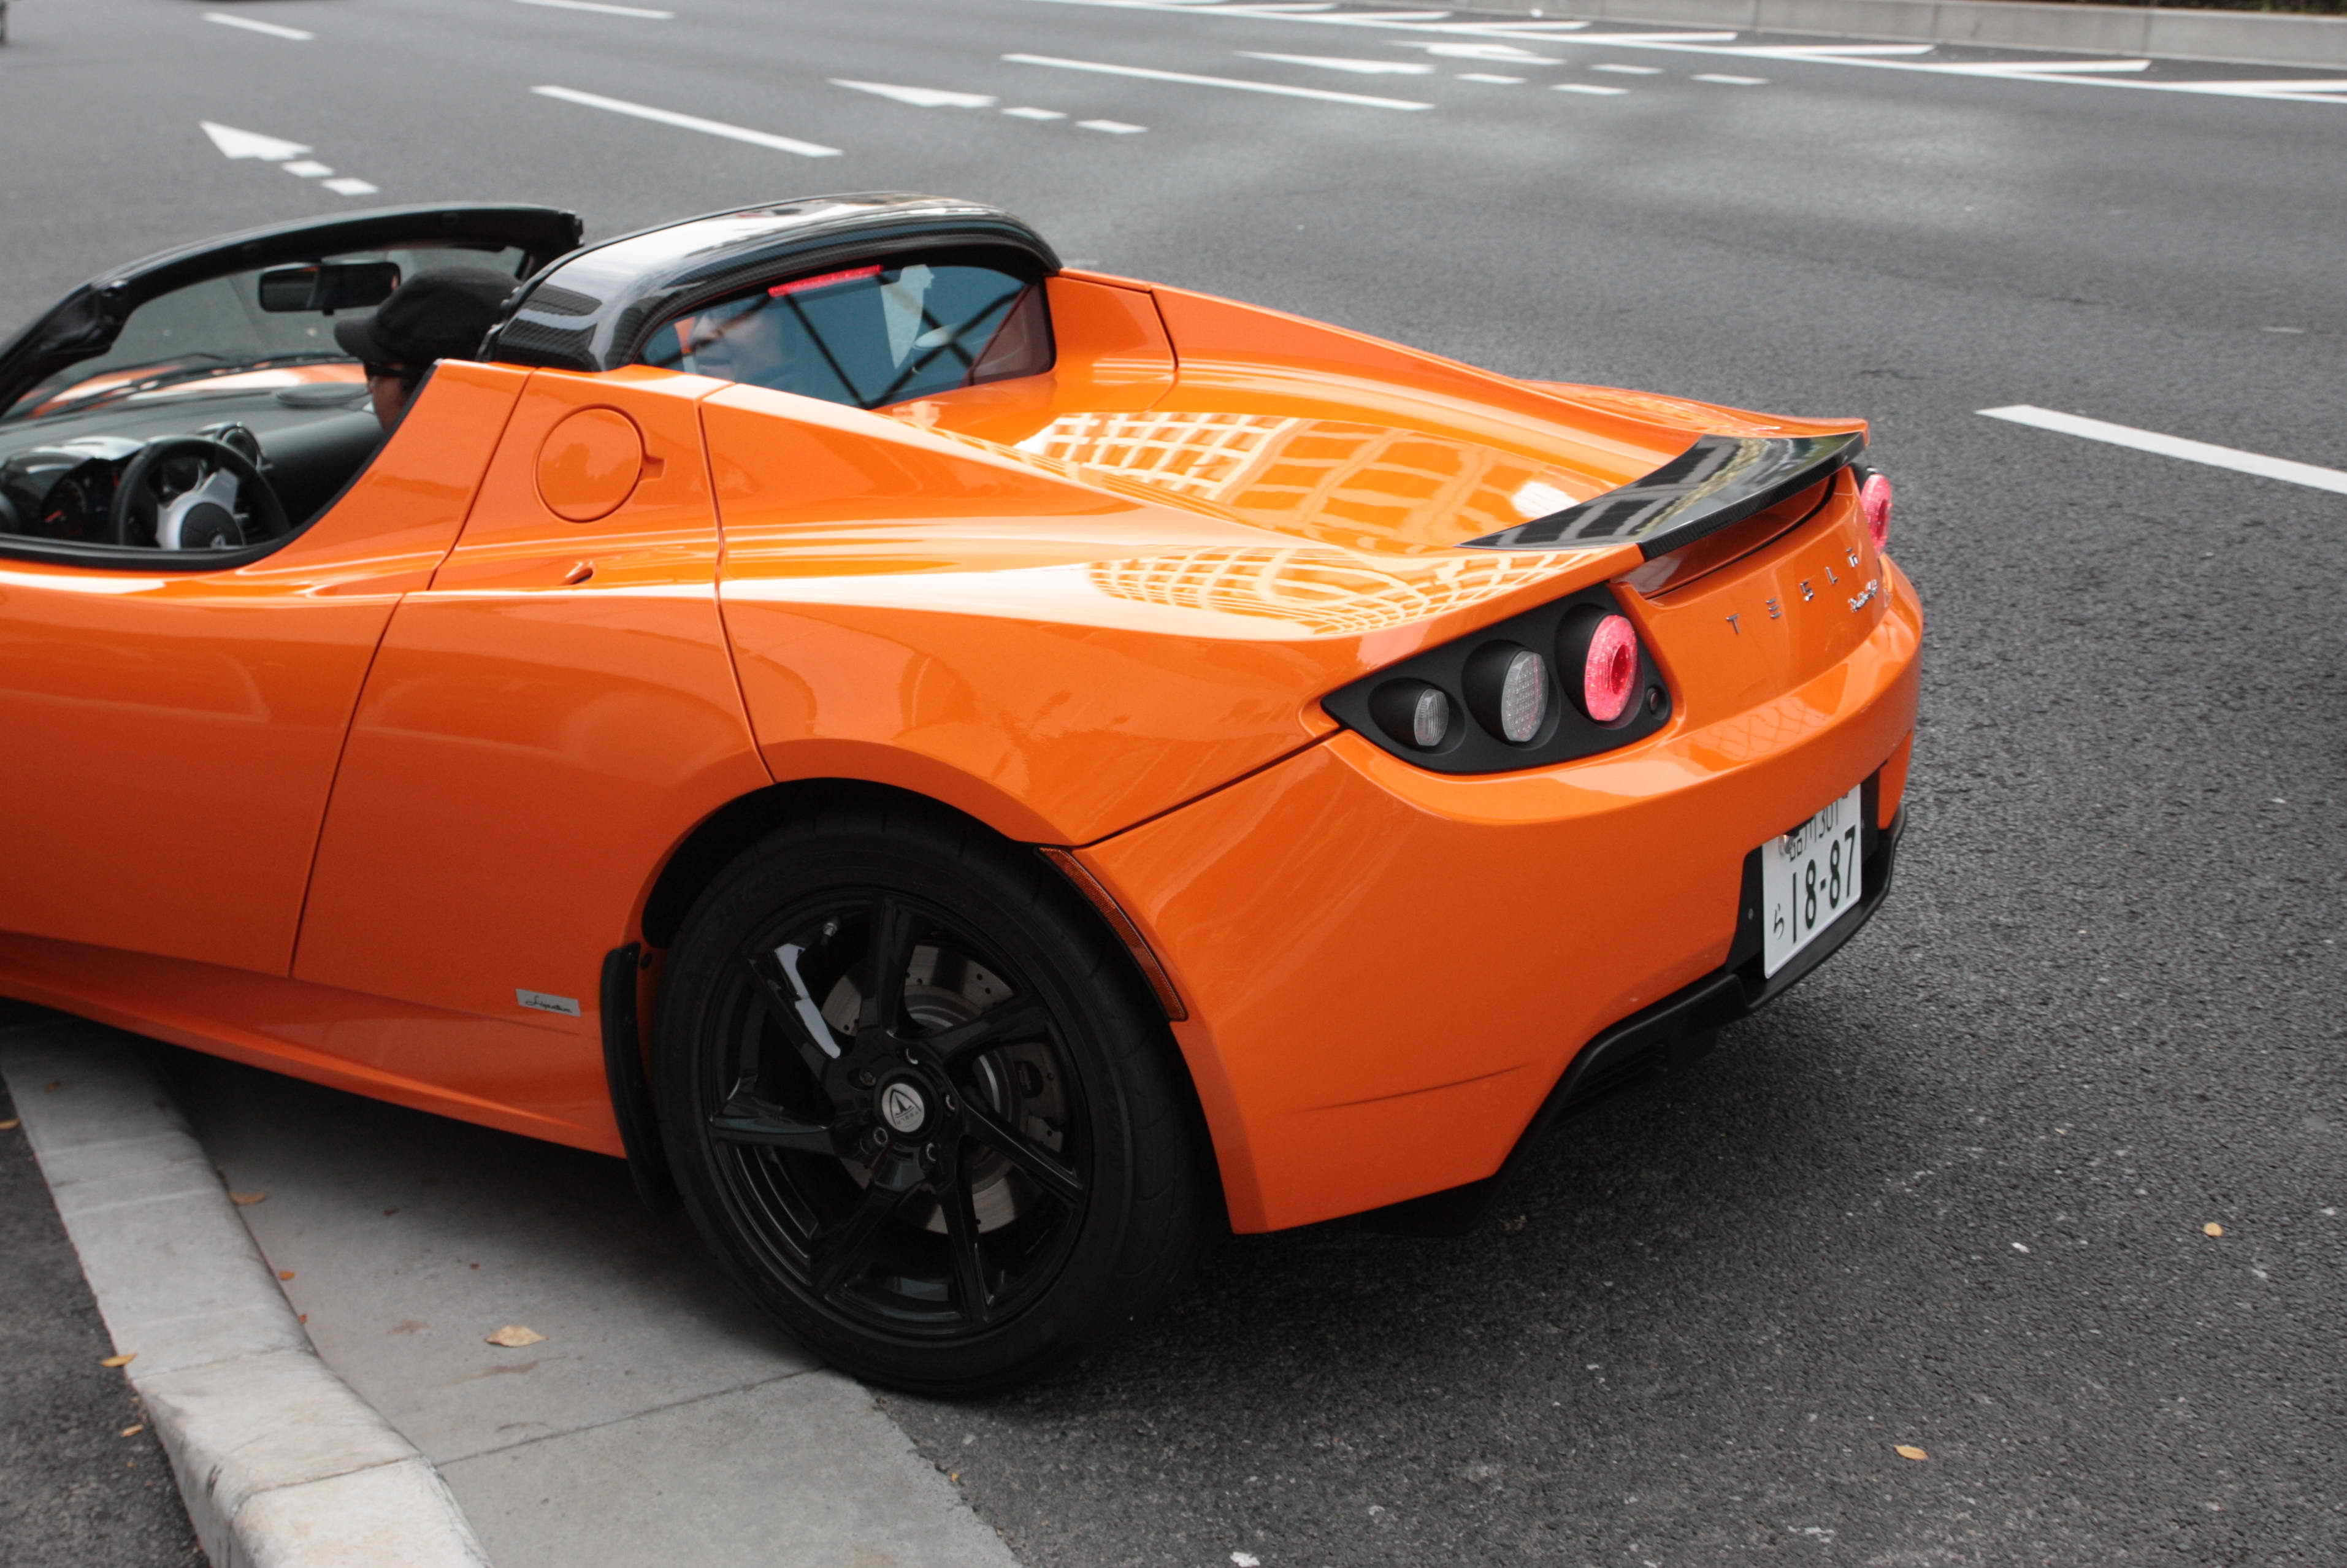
1720, 480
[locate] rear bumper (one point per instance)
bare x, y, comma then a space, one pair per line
1390, 973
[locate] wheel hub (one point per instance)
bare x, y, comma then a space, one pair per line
904, 1107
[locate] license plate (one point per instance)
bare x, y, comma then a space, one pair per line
1807, 876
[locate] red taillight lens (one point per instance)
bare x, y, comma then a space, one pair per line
1609, 673
1874, 500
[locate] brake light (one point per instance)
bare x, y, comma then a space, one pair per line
1609, 670
822, 281
1874, 500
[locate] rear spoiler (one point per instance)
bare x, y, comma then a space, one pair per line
1720, 480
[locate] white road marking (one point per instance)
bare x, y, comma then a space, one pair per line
235, 143
1486, 77
920, 98
637, 11
308, 168
2175, 446
1589, 87
1508, 52
1113, 127
1832, 51
1024, 112
1359, 68
1630, 70
2023, 67
250, 26
347, 186
1733, 81
2081, 74
690, 122
1236, 84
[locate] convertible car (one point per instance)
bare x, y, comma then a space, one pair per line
976, 774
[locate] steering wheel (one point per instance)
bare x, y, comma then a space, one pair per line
204, 515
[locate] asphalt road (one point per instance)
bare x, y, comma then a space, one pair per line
1952, 1193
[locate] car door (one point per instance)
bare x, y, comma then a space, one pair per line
170, 719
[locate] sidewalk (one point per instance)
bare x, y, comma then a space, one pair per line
659, 1421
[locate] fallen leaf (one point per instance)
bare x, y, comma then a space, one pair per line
513, 1336
53, 1086
389, 1211
284, 1274
122, 1360
242, 1199
1909, 1450
10, 1125
306, 1318
1514, 1226
2212, 1228
134, 1431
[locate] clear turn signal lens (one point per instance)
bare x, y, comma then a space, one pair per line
1874, 500
1430, 719
1523, 697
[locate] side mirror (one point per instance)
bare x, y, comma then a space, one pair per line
325, 287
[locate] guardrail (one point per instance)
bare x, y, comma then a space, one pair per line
2253, 37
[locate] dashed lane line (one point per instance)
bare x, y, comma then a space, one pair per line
2240, 462
640, 12
689, 122
1727, 81
1591, 89
1235, 84
1629, 70
269, 29
1487, 76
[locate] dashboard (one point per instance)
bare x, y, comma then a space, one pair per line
58, 475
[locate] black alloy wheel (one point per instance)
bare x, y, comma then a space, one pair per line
920, 1106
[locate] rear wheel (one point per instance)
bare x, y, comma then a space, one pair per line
919, 1107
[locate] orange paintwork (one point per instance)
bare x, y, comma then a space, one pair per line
334, 812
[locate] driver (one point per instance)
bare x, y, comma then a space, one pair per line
434, 315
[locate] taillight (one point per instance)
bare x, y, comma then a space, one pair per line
1874, 500
1609, 670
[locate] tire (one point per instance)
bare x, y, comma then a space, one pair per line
945, 1186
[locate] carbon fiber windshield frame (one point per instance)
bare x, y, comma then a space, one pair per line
1718, 481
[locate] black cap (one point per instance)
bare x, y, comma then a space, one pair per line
443, 314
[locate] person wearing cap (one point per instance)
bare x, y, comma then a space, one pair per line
437, 315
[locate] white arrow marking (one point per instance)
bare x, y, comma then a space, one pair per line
2175, 446
920, 98
235, 143
1359, 68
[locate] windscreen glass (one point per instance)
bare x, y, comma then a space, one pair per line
191, 337
867, 335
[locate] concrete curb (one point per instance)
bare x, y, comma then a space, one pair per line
280, 1462
2246, 38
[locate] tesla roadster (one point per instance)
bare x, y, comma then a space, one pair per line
977, 775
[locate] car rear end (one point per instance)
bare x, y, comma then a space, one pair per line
1404, 947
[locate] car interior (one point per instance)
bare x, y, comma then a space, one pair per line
223, 415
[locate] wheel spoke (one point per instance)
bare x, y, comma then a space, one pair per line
999, 1026
839, 1252
969, 1263
745, 1119
793, 1011
888, 953
1044, 1169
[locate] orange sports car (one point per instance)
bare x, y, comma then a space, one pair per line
975, 774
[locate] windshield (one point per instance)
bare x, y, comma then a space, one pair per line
187, 339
